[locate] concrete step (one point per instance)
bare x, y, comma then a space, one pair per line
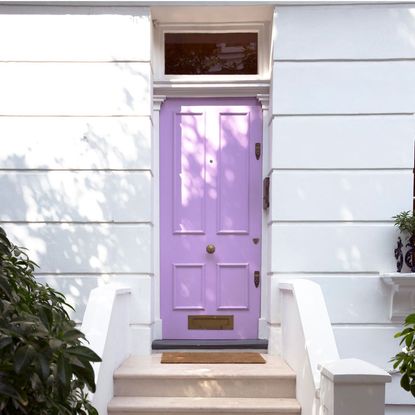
147, 377
204, 406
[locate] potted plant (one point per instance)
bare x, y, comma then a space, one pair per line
405, 222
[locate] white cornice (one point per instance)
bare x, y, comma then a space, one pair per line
212, 89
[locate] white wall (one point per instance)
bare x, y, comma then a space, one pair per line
76, 160
342, 136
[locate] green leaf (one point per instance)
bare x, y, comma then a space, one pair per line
5, 341
63, 371
9, 390
72, 334
55, 344
405, 382
86, 375
44, 365
85, 352
409, 339
410, 319
23, 357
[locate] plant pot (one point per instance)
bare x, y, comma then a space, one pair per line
405, 254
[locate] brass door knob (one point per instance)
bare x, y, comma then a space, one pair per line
210, 249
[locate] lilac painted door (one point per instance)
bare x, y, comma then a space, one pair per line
210, 193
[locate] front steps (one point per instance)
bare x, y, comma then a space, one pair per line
144, 386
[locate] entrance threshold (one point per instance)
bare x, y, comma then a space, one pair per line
210, 344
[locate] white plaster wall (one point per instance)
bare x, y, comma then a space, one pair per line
76, 168
342, 137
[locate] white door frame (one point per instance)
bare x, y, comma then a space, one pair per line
250, 19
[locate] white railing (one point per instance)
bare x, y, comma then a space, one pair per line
326, 385
106, 326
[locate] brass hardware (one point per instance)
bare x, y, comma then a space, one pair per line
257, 277
210, 249
210, 322
255, 240
265, 193
257, 150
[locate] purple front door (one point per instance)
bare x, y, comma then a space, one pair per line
210, 199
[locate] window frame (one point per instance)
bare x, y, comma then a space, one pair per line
261, 29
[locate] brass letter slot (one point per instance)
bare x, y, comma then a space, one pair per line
210, 322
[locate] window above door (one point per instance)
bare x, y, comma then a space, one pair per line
211, 53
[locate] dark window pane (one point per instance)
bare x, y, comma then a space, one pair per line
211, 53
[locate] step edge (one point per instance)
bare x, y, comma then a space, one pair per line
284, 376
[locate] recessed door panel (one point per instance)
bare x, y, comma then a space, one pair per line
232, 286
189, 172
188, 287
210, 217
233, 177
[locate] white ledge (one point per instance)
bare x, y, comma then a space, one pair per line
402, 296
354, 371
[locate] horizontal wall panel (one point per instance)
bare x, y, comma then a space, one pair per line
343, 142
75, 196
75, 89
339, 195
75, 143
77, 248
350, 299
375, 345
343, 87
77, 288
351, 32
332, 247
399, 409
75, 34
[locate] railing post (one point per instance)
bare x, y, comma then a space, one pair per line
352, 387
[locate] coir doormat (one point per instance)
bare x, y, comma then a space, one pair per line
212, 357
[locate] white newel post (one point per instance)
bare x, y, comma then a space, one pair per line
352, 387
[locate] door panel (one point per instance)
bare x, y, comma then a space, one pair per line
210, 193
189, 173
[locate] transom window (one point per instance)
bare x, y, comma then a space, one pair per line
211, 53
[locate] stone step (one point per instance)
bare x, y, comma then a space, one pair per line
146, 376
204, 406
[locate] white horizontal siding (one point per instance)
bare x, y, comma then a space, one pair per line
78, 248
74, 34
75, 89
343, 87
339, 195
350, 299
332, 247
75, 196
398, 409
345, 32
75, 143
78, 287
367, 142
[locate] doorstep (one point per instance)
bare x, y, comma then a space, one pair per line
259, 344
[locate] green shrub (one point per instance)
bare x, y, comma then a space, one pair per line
405, 360
44, 366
